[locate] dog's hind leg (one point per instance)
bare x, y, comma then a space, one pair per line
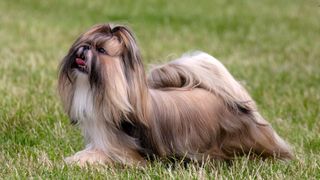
250, 134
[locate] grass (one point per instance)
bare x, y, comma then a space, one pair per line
272, 46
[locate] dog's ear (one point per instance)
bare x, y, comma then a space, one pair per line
134, 72
131, 54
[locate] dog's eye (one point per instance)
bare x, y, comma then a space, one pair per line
101, 50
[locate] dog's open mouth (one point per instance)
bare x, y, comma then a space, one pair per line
81, 65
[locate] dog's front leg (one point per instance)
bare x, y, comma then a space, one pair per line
88, 156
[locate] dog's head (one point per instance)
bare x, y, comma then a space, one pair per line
102, 49
106, 58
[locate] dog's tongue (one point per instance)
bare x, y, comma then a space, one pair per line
80, 62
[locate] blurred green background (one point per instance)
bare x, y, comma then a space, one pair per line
271, 46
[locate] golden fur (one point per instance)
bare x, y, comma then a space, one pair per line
189, 108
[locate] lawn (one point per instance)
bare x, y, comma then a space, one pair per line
271, 46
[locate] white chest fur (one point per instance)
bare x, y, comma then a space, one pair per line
82, 103
83, 110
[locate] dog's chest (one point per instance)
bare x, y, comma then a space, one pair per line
82, 103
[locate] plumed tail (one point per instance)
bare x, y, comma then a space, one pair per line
268, 142
200, 70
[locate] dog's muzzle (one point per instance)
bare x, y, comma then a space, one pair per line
81, 59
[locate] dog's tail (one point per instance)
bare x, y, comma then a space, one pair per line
200, 70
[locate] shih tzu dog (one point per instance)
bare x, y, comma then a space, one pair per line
189, 108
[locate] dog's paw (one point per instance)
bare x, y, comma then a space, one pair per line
87, 157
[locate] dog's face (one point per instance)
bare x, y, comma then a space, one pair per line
94, 53
98, 50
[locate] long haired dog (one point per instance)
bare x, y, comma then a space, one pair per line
190, 108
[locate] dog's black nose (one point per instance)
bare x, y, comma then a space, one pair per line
82, 51
86, 47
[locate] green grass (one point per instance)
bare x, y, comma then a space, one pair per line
273, 46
